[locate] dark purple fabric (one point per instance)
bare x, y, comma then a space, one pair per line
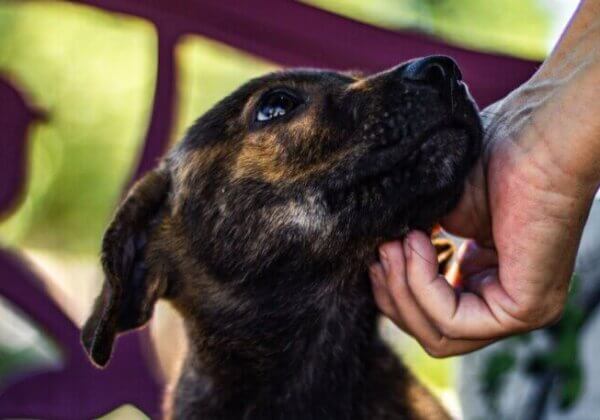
295, 34
15, 116
75, 390
283, 31
162, 116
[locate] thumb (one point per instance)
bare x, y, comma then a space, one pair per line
471, 217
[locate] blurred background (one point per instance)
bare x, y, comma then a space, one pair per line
92, 74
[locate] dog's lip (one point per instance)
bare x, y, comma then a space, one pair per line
390, 155
384, 161
403, 149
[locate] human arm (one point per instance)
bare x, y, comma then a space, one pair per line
524, 205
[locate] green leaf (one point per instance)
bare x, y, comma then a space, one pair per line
494, 375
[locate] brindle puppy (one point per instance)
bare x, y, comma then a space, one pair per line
259, 228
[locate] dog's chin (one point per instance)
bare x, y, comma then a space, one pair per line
444, 160
417, 191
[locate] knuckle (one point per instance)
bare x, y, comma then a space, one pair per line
432, 351
530, 313
436, 349
540, 314
436, 353
447, 329
552, 315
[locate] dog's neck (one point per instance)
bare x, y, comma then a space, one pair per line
306, 347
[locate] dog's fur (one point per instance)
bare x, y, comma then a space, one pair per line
260, 234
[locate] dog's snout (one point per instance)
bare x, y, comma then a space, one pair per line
437, 70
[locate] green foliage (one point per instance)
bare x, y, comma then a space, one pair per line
207, 72
564, 357
519, 27
94, 73
15, 362
125, 412
28, 349
435, 373
494, 375
561, 359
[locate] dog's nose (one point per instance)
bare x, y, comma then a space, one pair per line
437, 70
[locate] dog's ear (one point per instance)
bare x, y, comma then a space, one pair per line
130, 290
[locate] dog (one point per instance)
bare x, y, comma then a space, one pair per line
259, 228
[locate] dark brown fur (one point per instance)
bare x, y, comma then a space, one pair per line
260, 234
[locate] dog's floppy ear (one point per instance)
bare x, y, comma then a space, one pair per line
129, 291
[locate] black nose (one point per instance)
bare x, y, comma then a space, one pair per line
438, 70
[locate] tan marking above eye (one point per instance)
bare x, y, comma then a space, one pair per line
303, 129
259, 158
263, 162
251, 103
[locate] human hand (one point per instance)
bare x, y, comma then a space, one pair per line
525, 205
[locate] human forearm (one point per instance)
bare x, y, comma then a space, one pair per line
562, 98
525, 204
579, 43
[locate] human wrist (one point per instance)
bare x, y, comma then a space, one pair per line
565, 121
585, 143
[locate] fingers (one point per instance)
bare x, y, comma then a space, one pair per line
409, 313
395, 299
456, 315
471, 259
471, 217
381, 294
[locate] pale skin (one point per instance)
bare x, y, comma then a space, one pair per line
524, 206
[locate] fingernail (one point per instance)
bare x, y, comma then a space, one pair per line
384, 261
414, 249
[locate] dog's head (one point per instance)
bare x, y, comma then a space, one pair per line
294, 169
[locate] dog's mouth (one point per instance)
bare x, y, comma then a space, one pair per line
435, 162
410, 167
432, 160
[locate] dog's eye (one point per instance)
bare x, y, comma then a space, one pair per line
274, 105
